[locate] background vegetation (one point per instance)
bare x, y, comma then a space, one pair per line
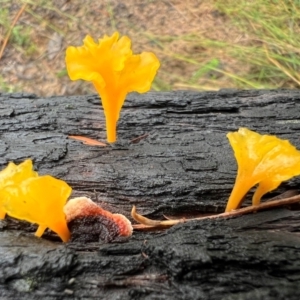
202, 45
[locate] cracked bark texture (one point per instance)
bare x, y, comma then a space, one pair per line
183, 164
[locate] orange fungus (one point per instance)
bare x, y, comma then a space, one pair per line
114, 70
15, 174
37, 199
262, 159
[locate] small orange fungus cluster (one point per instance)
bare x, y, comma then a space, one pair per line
262, 159
14, 175
37, 199
114, 70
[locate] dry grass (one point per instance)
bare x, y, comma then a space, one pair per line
202, 45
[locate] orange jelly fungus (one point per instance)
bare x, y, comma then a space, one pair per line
114, 70
15, 174
35, 199
85, 207
262, 159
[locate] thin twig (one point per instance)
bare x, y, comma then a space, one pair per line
139, 138
148, 223
11, 28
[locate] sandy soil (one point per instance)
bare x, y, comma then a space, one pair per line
33, 60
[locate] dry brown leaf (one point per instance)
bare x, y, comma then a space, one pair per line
87, 141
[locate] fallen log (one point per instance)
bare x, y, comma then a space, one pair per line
172, 158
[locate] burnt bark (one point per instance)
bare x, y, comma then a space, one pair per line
182, 163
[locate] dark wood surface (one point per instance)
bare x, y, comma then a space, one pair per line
184, 164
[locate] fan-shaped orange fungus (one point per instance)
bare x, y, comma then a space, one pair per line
114, 70
262, 159
15, 174
39, 200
